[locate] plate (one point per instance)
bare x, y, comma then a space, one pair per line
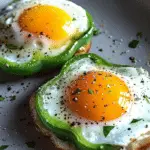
119, 22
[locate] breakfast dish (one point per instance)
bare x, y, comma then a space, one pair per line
95, 105
39, 35
91, 104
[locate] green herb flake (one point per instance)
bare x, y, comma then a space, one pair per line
96, 32
139, 35
74, 19
107, 130
31, 144
100, 50
13, 98
135, 121
2, 147
146, 98
15, 1
2, 98
11, 46
133, 43
90, 91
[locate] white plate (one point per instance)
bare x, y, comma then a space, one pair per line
118, 20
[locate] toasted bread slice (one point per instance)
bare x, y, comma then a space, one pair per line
142, 143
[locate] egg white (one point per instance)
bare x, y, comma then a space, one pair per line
93, 131
10, 16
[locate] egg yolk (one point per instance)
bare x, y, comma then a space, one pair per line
98, 96
46, 20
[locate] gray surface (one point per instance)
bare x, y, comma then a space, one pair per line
122, 19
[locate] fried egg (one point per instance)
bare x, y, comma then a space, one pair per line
48, 26
109, 104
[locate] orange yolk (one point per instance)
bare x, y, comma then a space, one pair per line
98, 96
46, 20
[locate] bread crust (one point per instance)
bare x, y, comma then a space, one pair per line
84, 49
141, 143
59, 144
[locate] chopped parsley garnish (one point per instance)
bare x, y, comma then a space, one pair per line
96, 32
90, 91
12, 98
31, 144
139, 35
133, 43
77, 91
135, 121
1, 98
107, 130
2, 147
74, 19
11, 46
146, 98
15, 1
101, 50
